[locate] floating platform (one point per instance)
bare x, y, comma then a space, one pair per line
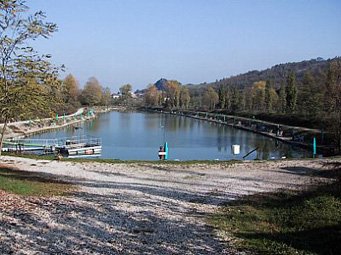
71, 146
80, 146
82, 150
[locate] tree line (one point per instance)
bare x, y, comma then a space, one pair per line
306, 98
314, 98
73, 97
309, 96
172, 96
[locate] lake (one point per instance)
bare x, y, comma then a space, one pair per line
138, 136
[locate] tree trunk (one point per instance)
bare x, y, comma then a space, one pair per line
2, 136
339, 134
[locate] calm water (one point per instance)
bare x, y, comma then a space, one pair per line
139, 135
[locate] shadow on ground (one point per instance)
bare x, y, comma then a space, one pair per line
128, 218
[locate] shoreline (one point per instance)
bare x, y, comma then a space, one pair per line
27, 128
327, 150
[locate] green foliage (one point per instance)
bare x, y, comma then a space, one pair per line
306, 94
278, 74
27, 80
282, 99
310, 95
235, 100
223, 96
291, 93
333, 100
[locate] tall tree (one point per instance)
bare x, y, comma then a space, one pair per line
152, 96
258, 98
282, 104
222, 93
92, 92
247, 99
235, 100
241, 100
125, 91
333, 100
291, 93
310, 96
268, 99
184, 97
71, 87
173, 93
71, 93
25, 76
210, 98
106, 99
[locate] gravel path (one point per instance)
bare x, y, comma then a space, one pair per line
140, 208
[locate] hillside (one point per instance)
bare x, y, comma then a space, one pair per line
278, 73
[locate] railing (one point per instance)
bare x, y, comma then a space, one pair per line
46, 143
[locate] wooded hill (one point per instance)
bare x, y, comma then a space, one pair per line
306, 93
278, 74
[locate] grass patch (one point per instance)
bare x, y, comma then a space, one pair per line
27, 155
284, 222
31, 184
118, 161
155, 162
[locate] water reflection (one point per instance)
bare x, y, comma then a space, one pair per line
139, 135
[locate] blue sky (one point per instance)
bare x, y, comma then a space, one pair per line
192, 41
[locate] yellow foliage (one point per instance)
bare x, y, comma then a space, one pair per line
259, 85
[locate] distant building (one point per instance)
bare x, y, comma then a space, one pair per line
139, 94
132, 94
115, 96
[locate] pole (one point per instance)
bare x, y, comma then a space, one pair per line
247, 154
314, 147
166, 150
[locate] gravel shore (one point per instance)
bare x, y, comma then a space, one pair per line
140, 208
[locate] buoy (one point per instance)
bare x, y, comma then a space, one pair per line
235, 149
161, 153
